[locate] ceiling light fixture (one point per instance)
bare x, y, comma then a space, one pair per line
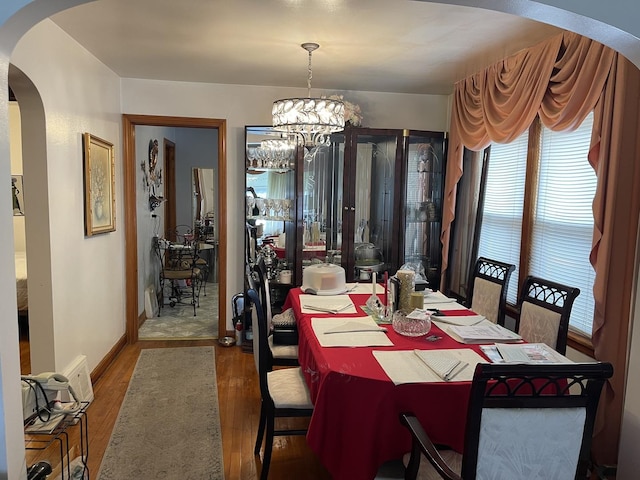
312, 120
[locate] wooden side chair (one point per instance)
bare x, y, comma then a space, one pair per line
487, 290
281, 355
523, 421
545, 308
283, 392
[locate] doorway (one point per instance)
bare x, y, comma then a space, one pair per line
130, 185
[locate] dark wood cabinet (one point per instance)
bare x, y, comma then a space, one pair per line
360, 202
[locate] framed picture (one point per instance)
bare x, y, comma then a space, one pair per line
99, 186
17, 192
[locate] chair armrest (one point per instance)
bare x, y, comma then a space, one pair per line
422, 444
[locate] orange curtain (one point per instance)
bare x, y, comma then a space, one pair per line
615, 156
562, 80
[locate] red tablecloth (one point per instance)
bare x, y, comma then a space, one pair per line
355, 425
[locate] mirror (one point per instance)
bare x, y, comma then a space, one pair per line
204, 200
270, 196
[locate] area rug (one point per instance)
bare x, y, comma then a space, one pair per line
169, 424
179, 323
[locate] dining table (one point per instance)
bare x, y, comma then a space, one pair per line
355, 425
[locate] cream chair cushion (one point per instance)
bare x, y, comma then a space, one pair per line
288, 389
427, 472
486, 299
283, 351
539, 324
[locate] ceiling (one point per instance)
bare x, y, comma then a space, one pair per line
401, 46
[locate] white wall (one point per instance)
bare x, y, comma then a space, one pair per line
195, 148
87, 274
16, 169
149, 223
244, 105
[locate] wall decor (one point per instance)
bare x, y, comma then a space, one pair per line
99, 186
17, 193
151, 170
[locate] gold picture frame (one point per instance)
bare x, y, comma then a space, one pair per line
99, 186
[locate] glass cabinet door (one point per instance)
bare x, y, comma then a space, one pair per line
372, 186
320, 222
424, 154
270, 198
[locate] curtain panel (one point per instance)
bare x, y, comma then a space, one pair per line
562, 80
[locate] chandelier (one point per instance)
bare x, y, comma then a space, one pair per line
272, 153
311, 120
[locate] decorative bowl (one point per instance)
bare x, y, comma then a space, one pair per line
411, 325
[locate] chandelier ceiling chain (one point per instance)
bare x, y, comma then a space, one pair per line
310, 120
310, 47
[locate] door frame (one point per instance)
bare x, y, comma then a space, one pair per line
170, 185
129, 165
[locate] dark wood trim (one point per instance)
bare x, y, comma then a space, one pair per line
108, 359
130, 228
580, 343
169, 149
129, 122
530, 198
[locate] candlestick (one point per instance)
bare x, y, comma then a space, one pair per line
386, 288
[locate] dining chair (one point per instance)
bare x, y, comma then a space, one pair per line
523, 421
487, 290
545, 308
281, 355
283, 391
180, 276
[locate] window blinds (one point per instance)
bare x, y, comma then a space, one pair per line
563, 220
500, 233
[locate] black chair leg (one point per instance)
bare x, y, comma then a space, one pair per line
193, 295
261, 425
268, 447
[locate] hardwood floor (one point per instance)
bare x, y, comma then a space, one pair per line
239, 405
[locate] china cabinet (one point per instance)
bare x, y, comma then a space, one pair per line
270, 207
366, 191
423, 159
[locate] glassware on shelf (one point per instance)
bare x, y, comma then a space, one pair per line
251, 203
288, 205
277, 208
260, 203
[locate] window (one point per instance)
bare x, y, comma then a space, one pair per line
556, 217
500, 234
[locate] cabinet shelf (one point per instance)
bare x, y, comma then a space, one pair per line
270, 218
268, 169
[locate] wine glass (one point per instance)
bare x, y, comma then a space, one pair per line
251, 202
287, 204
261, 206
277, 208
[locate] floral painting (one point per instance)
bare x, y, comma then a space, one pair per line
99, 185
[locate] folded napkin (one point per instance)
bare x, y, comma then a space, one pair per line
436, 297
443, 306
349, 332
445, 365
327, 304
404, 366
458, 319
361, 288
